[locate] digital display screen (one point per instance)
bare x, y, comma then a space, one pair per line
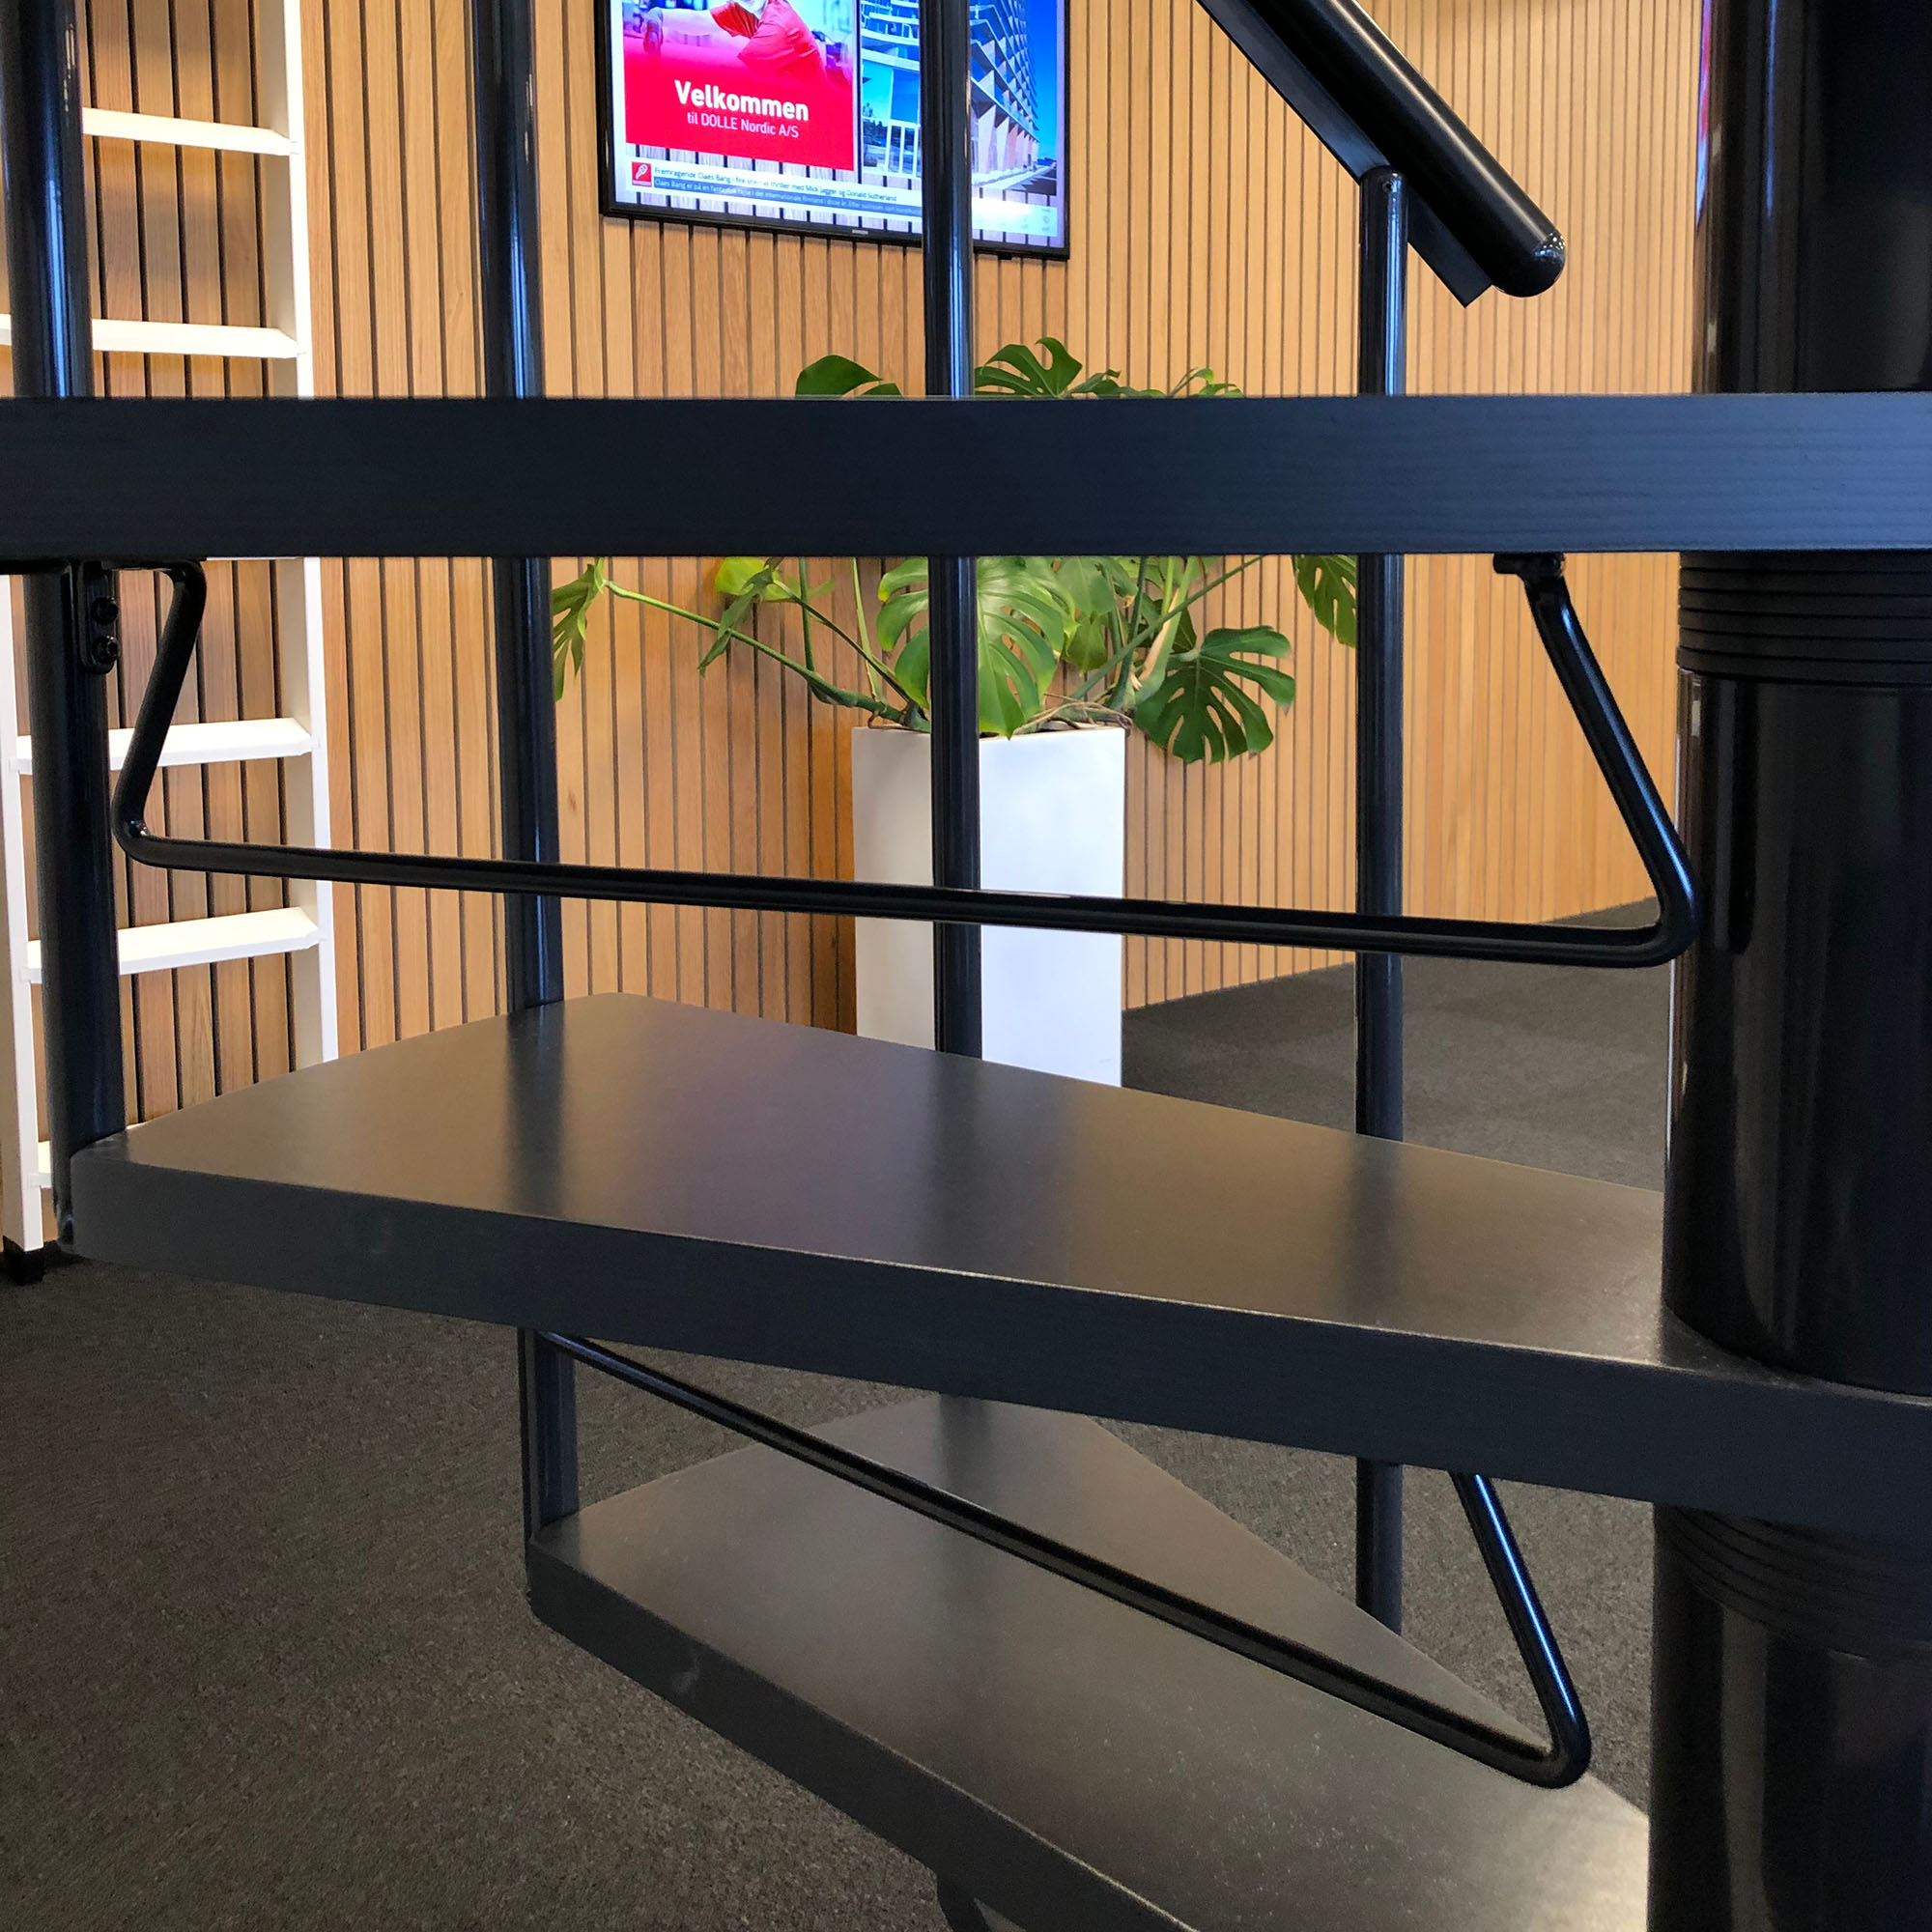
804, 114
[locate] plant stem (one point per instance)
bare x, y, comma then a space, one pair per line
1227, 576
804, 616
833, 693
1155, 666
1130, 631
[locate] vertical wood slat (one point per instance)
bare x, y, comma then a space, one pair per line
1207, 228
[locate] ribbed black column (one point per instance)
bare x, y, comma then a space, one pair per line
1792, 1765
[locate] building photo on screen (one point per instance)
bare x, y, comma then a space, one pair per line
804, 114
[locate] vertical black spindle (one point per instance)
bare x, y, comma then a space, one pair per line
508, 267
1379, 774
953, 616
53, 339
946, 178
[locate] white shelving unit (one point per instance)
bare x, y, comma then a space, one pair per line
304, 929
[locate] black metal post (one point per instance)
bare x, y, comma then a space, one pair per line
946, 182
508, 268
953, 610
1384, 310
508, 262
67, 703
1791, 1707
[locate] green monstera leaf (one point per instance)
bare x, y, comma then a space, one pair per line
840, 376
1199, 709
1016, 371
1094, 587
570, 606
1024, 619
744, 583
1327, 585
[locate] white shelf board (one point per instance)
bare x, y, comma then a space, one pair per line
111, 125
217, 743
204, 942
46, 1176
120, 338
202, 744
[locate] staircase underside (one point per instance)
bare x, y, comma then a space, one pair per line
1070, 1763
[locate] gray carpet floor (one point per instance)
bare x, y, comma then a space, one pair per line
264, 1659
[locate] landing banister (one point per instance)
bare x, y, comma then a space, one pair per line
1631, 787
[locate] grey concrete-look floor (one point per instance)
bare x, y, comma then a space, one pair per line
264, 1659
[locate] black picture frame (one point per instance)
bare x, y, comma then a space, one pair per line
612, 209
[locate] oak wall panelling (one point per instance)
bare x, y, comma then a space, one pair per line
1207, 228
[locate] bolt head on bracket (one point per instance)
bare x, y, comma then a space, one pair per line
99, 619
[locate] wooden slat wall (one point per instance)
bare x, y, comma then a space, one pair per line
1207, 228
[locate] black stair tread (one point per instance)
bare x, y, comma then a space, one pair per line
1064, 1759
648, 1172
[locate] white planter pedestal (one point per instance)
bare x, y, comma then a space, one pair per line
1053, 818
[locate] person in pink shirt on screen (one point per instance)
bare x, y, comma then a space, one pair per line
776, 40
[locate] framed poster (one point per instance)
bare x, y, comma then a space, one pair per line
803, 114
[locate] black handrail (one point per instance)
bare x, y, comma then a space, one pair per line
1615, 751
1562, 1761
1354, 90
1450, 475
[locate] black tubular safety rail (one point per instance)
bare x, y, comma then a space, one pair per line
1615, 751
1560, 1762
1353, 87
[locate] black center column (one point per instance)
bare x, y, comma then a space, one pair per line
1792, 1775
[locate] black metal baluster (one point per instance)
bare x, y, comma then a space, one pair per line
945, 181
53, 357
1379, 789
512, 334
952, 611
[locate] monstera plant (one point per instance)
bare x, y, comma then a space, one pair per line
1064, 641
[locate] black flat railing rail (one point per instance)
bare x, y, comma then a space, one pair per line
445, 476
1473, 224
1562, 1761
1632, 787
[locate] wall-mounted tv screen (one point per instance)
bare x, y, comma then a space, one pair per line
804, 114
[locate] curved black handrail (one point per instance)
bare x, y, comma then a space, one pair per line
1514, 244
1615, 750
1560, 1762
